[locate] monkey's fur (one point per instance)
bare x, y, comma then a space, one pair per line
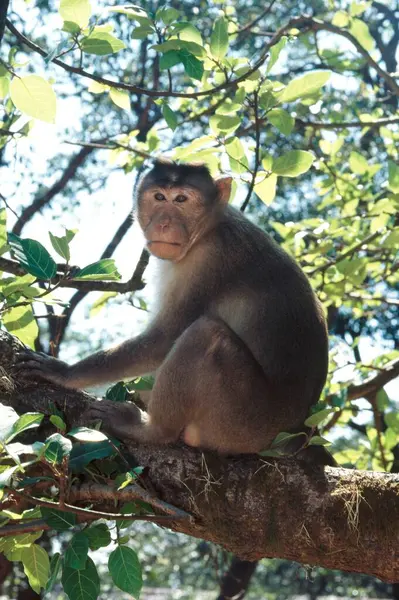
239, 343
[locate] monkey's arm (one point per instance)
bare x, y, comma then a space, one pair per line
134, 357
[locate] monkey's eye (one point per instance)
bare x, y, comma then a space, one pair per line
181, 198
159, 196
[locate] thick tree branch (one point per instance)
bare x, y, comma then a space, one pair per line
328, 516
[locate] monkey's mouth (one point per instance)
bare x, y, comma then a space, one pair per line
162, 242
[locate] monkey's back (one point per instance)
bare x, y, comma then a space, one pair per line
266, 299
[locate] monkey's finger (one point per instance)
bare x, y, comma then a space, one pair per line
25, 356
28, 365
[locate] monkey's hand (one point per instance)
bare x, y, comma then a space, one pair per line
37, 365
118, 418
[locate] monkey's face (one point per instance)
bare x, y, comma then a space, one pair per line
171, 219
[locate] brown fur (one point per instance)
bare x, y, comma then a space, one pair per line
239, 343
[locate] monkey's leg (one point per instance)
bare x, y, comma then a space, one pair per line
209, 390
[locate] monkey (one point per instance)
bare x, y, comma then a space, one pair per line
238, 344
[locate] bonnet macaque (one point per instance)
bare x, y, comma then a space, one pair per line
238, 345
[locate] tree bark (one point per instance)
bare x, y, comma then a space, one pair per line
287, 508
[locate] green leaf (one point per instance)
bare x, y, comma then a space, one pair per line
70, 27
382, 400
75, 11
125, 570
84, 434
234, 148
358, 8
32, 256
141, 32
101, 302
358, 163
317, 440
293, 163
120, 97
361, 32
169, 116
281, 119
60, 245
393, 177
36, 566
118, 392
101, 44
81, 584
83, 454
284, 437
193, 67
392, 420
23, 423
133, 12
76, 552
224, 123
102, 270
3, 231
266, 188
219, 39
20, 321
4, 86
275, 53
57, 448
315, 419
58, 519
98, 536
305, 85
168, 15
341, 19
6, 476
58, 422
35, 97
169, 59
55, 565
188, 32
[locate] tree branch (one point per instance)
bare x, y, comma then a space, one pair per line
132, 285
153, 93
3, 16
291, 509
346, 124
41, 201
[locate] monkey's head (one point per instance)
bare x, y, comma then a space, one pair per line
177, 204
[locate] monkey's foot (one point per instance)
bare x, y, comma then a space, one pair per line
118, 419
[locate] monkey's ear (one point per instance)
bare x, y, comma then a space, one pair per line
223, 186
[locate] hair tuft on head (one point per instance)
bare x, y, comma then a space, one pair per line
168, 173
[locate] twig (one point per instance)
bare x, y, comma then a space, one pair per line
86, 512
346, 124
41, 201
147, 92
132, 285
92, 492
257, 154
257, 19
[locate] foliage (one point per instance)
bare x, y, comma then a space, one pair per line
305, 119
